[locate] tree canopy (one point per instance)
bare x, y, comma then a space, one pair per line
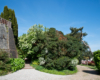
51, 46
84, 47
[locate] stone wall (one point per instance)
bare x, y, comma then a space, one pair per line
7, 41
12, 45
3, 37
6, 22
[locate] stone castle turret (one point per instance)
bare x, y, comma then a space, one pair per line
7, 41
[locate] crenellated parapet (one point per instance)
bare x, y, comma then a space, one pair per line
6, 22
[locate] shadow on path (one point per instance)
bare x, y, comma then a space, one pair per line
95, 72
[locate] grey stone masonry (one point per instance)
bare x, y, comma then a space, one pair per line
3, 37
7, 41
12, 45
6, 22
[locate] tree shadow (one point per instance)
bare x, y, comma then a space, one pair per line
96, 72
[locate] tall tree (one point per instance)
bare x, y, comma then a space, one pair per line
77, 33
6, 13
10, 14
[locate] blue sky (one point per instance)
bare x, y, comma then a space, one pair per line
60, 14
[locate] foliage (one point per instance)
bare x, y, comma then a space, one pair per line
60, 51
35, 62
96, 55
57, 51
24, 45
85, 53
77, 34
91, 63
73, 47
16, 64
20, 53
33, 42
41, 61
73, 64
88, 62
90, 66
9, 13
4, 62
62, 63
54, 71
74, 61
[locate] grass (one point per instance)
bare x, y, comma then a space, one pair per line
92, 67
63, 72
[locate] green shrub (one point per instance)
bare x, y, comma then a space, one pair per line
55, 49
54, 71
73, 64
74, 61
39, 67
4, 62
17, 63
62, 63
20, 53
96, 55
35, 62
41, 61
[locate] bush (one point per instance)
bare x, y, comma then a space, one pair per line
4, 62
51, 47
35, 62
74, 61
54, 71
39, 67
96, 55
91, 63
41, 61
17, 63
62, 63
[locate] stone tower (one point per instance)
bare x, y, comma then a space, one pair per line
7, 41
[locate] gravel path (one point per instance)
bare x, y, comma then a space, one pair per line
84, 73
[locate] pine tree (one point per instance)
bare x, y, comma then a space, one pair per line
1, 15
77, 33
6, 13
10, 14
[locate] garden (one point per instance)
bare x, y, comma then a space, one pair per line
50, 51
9, 65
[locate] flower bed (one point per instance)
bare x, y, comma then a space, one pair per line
88, 62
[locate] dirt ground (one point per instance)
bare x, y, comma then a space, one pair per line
84, 73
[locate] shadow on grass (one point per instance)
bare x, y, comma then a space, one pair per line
95, 72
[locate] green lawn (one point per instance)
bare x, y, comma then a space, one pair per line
92, 67
63, 72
